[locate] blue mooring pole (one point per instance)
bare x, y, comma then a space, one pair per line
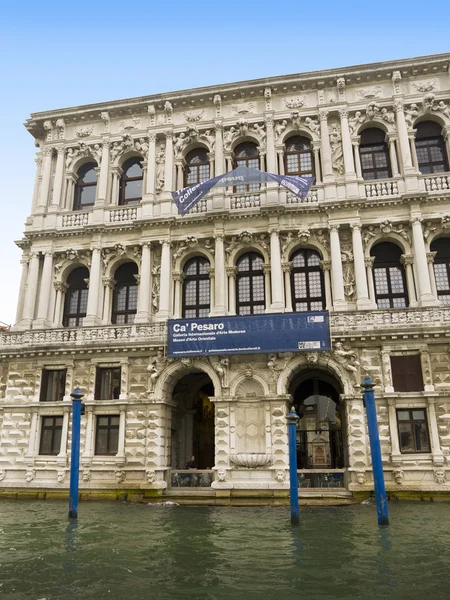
292, 419
375, 449
75, 454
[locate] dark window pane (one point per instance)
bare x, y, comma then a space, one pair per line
53, 385
133, 189
307, 282
51, 428
407, 373
107, 383
107, 435
413, 431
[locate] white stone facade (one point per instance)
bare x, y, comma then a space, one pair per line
343, 218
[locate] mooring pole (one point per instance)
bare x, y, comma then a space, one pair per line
292, 419
75, 454
375, 449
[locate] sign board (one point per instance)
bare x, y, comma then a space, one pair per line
249, 334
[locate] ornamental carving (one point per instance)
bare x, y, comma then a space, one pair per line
217, 101
30, 475
160, 168
243, 108
355, 121
109, 253
183, 245
348, 358
349, 283
440, 475
295, 102
260, 133
127, 124
221, 365
84, 131
370, 92
168, 112
411, 114
61, 475
193, 116
155, 367
337, 155
426, 86
279, 127
312, 124
429, 104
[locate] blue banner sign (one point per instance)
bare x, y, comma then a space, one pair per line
250, 334
188, 197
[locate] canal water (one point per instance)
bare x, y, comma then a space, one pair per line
135, 551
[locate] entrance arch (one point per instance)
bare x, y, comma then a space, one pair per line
321, 427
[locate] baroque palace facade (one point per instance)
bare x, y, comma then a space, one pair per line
107, 260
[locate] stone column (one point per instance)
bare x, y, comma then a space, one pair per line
58, 180
369, 267
87, 453
121, 441
168, 167
22, 288
393, 156
46, 179
220, 281
60, 288
267, 290
151, 164
218, 148
420, 256
280, 155
396, 456
430, 260
362, 292
116, 173
412, 146
64, 433
316, 150
287, 268
231, 273
407, 261
31, 293
347, 145
447, 139
180, 174
270, 143
165, 281
438, 457
42, 321
32, 441
104, 175
337, 279
37, 178
92, 312
178, 277
326, 267
277, 304
212, 289
69, 191
327, 168
108, 287
355, 143
143, 304
405, 150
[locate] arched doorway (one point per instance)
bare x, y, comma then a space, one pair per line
192, 421
320, 439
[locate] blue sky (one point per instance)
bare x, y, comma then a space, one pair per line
56, 54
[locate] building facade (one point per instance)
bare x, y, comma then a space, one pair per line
107, 260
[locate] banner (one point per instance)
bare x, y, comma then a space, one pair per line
188, 197
250, 334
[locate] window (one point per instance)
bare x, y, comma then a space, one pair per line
196, 288
107, 383
53, 385
197, 167
389, 276
130, 191
407, 373
442, 268
51, 430
76, 297
107, 435
125, 294
250, 294
430, 148
374, 153
307, 281
246, 155
86, 187
298, 156
413, 430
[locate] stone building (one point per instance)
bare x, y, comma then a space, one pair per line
107, 260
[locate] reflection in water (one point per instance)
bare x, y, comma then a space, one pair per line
125, 551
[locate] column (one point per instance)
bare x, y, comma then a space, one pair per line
212, 290
42, 321
220, 281
168, 167
316, 150
92, 312
121, 441
231, 273
179, 171
151, 164
277, 304
420, 257
69, 191
287, 267
412, 147
165, 281
58, 180
108, 287
87, 453
31, 451
438, 457
64, 433
38, 161
327, 169
143, 304
116, 173
218, 148
104, 174
30, 296
268, 295
362, 292
229, 161
405, 151
355, 143
337, 279
369, 267
396, 456
430, 260
178, 277
46, 179
347, 144
447, 139
407, 261
326, 267
22, 288
270, 143
280, 154
60, 288
393, 156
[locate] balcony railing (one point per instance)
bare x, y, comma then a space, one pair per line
123, 214
379, 189
311, 198
250, 200
435, 183
75, 219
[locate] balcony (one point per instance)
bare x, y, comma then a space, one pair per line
437, 183
381, 188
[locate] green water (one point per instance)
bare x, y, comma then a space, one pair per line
130, 551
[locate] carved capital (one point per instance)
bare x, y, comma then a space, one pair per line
109, 282
286, 267
60, 286
323, 115
169, 134
333, 227
326, 265
343, 113
430, 256
407, 259
398, 105
356, 226
178, 276
231, 271
414, 220
368, 262
265, 267
219, 236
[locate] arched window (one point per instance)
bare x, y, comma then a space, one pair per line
298, 156
76, 297
125, 294
196, 288
131, 182
430, 148
250, 293
442, 268
197, 167
389, 276
307, 283
246, 155
86, 187
374, 153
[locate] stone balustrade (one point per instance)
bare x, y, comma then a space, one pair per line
435, 183
123, 214
250, 200
75, 219
379, 189
311, 198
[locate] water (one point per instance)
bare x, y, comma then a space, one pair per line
131, 551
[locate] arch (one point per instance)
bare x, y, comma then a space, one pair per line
86, 186
392, 237
292, 131
75, 302
131, 181
197, 166
196, 301
126, 156
434, 117
441, 266
307, 281
298, 156
250, 284
68, 266
118, 261
430, 147
237, 252
193, 145
175, 371
181, 260
374, 154
322, 361
241, 378
389, 276
295, 245
124, 304
80, 162
244, 139
373, 125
